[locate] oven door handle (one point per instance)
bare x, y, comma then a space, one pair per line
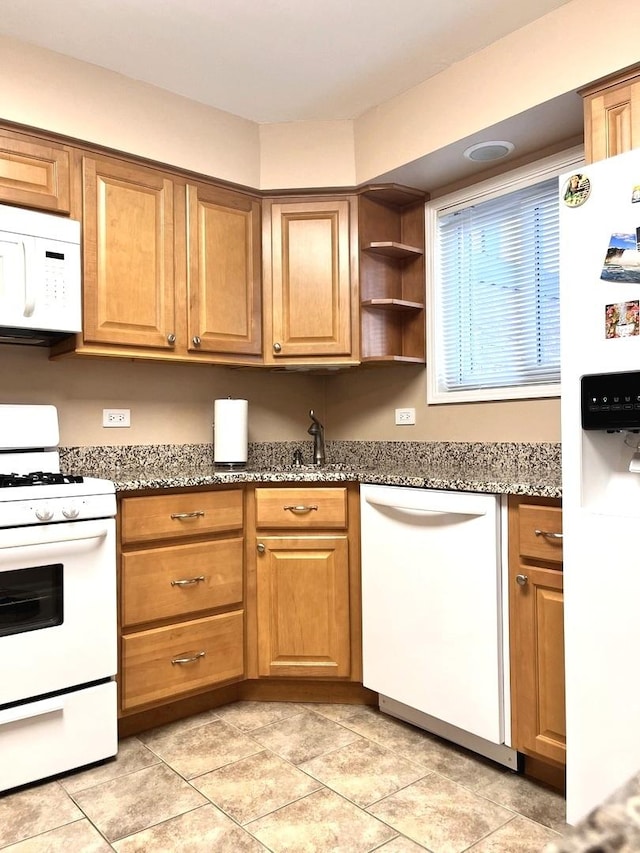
51, 535
32, 709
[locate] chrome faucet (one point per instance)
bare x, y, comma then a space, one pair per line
317, 431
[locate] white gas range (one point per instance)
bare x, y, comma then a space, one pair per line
58, 640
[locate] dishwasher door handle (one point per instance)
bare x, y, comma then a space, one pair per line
411, 506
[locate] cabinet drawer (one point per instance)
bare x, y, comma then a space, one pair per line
538, 529
151, 671
161, 583
174, 516
301, 508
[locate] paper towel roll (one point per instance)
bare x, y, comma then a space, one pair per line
230, 433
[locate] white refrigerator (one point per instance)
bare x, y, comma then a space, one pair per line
600, 346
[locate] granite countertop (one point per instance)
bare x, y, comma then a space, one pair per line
612, 827
490, 468
480, 479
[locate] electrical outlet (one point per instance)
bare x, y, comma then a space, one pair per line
116, 417
405, 417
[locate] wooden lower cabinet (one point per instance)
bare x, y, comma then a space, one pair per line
161, 663
303, 579
537, 628
303, 606
181, 579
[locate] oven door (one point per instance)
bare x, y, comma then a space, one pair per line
57, 607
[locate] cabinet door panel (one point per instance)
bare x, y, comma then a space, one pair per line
612, 121
224, 272
128, 255
539, 665
303, 607
34, 174
311, 288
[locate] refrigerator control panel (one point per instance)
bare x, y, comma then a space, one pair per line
611, 401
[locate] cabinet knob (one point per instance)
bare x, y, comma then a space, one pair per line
171, 339
261, 548
196, 341
277, 347
522, 580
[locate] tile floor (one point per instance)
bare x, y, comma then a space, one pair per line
284, 777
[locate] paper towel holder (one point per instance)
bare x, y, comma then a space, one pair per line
230, 443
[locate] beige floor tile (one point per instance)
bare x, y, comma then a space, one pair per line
334, 711
132, 755
431, 752
203, 829
137, 801
77, 837
35, 810
440, 814
323, 821
179, 725
530, 799
363, 772
401, 845
248, 716
518, 836
303, 737
192, 752
255, 786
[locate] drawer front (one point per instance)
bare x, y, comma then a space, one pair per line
173, 516
539, 527
163, 583
301, 508
165, 662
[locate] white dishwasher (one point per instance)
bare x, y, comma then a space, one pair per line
432, 612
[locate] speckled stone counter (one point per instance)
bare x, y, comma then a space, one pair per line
500, 468
613, 827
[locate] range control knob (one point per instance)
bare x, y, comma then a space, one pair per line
43, 513
70, 512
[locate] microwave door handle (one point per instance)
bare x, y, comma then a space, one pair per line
29, 290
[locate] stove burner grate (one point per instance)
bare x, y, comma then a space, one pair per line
38, 478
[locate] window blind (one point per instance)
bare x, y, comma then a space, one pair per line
497, 291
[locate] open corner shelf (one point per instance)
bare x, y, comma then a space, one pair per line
392, 304
391, 249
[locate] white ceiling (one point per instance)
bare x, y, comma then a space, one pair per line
272, 60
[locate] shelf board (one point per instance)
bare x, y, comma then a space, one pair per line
394, 194
392, 249
398, 359
392, 304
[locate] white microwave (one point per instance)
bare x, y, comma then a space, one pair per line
40, 276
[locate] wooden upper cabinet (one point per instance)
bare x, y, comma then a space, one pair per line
612, 115
129, 285
310, 282
34, 173
224, 260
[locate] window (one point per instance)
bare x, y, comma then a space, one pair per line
494, 303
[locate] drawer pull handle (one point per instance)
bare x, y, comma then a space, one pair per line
547, 534
301, 509
199, 513
188, 658
188, 581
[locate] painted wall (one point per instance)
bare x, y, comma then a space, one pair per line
581, 41
560, 52
53, 92
169, 403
